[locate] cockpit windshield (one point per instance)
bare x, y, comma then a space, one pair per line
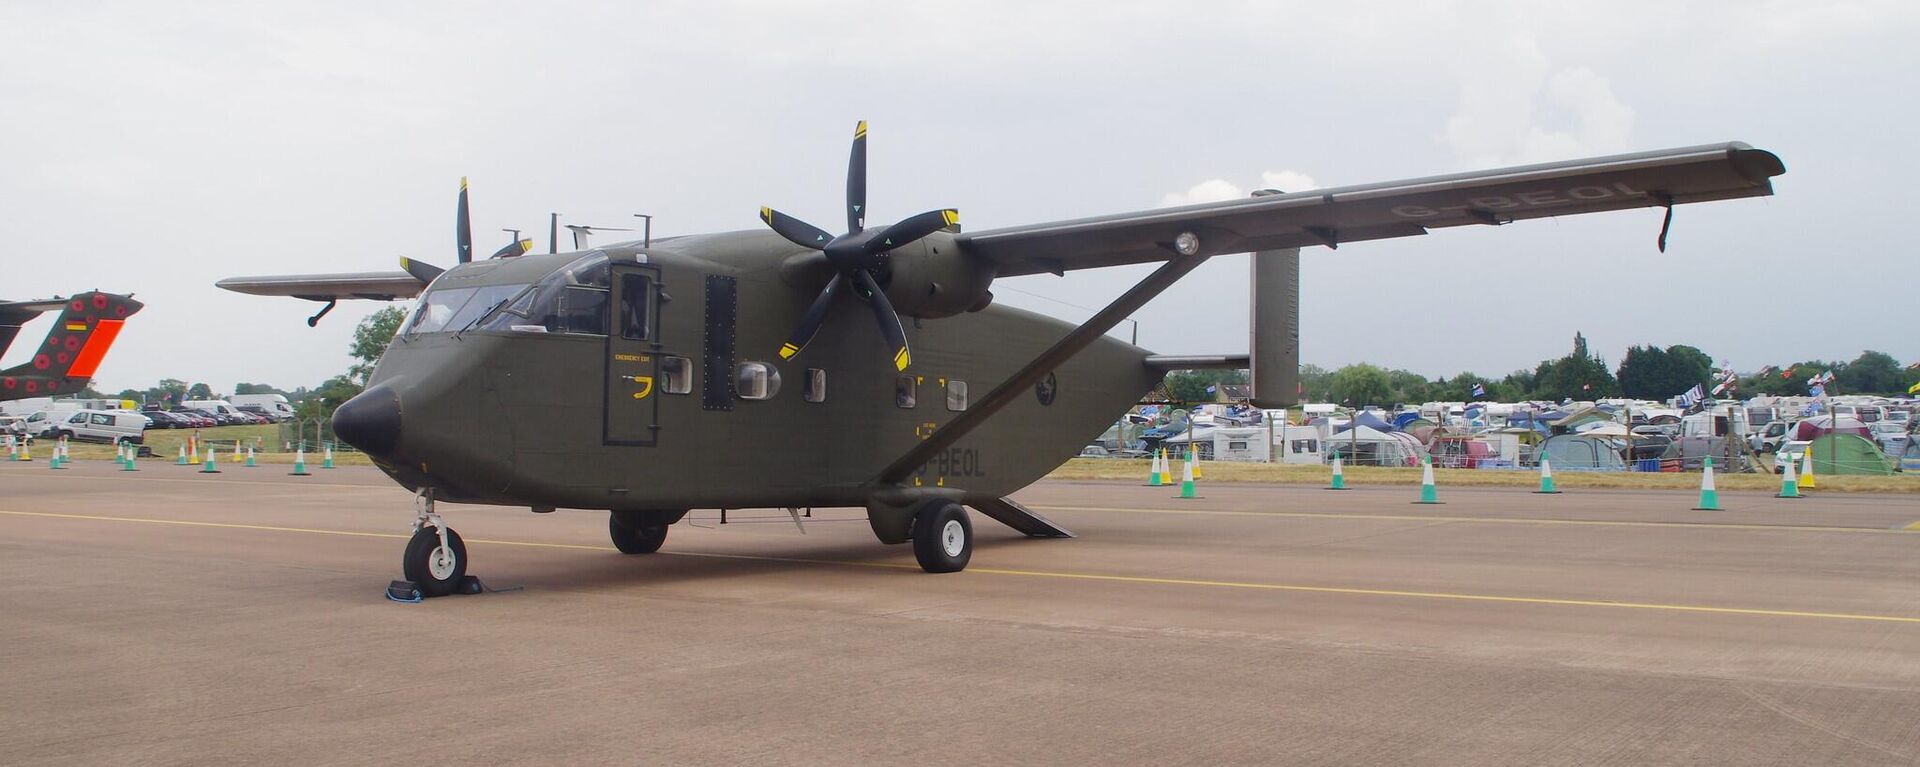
449, 310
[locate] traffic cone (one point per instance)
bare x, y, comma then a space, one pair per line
1709, 498
26, 451
13, 448
1193, 457
120, 452
1546, 479
250, 463
193, 447
236, 451
126, 460
1427, 494
1789, 483
1166, 468
1153, 470
1806, 469
327, 462
59, 459
182, 460
300, 462
1186, 481
207, 467
1339, 480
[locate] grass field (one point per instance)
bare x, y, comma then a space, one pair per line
165, 444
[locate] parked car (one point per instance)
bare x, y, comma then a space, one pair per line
196, 419
13, 424
164, 420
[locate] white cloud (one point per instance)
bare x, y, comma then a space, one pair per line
1287, 181
1218, 189
1533, 112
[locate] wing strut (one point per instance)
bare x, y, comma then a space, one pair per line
1666, 201
314, 321
1061, 351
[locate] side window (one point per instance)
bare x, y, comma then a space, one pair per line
77, 418
903, 391
583, 310
956, 395
636, 293
101, 419
814, 389
756, 380
676, 375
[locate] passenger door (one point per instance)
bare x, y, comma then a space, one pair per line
633, 371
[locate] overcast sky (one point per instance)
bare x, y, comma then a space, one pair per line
158, 147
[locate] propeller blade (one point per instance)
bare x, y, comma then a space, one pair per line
796, 231
889, 321
421, 270
512, 249
810, 323
857, 181
914, 228
463, 226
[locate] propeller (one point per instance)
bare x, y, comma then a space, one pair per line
462, 237
856, 256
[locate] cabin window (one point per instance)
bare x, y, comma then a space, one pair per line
676, 375
583, 310
815, 387
636, 293
903, 392
756, 380
956, 395
101, 419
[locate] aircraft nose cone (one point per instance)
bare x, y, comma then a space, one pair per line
370, 421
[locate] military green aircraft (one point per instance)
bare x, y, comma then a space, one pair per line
79, 340
774, 369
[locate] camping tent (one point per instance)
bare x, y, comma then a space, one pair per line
1582, 453
1367, 446
1826, 424
1848, 454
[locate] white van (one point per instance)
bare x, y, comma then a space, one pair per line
274, 405
97, 426
215, 406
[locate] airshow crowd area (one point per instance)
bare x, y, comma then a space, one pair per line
162, 616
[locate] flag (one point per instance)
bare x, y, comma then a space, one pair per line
1481, 391
1788, 373
1719, 387
1914, 389
1690, 397
1826, 377
1817, 391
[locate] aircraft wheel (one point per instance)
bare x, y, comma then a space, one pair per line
942, 537
636, 533
435, 569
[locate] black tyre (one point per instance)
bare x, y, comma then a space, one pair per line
637, 533
942, 537
436, 571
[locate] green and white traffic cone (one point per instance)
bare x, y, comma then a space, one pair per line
1427, 494
127, 452
300, 462
208, 467
327, 462
1186, 481
1789, 483
1546, 479
1709, 498
250, 463
182, 461
1339, 479
1153, 470
59, 460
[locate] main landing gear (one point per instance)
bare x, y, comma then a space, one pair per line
942, 536
640, 532
436, 558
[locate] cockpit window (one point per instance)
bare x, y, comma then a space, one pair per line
571, 300
451, 310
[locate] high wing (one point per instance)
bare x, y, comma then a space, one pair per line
379, 286
1332, 217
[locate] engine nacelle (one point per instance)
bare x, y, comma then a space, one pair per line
934, 277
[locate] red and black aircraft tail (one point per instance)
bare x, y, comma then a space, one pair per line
87, 326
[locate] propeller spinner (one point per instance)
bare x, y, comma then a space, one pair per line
856, 255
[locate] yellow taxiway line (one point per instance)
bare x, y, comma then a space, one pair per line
1095, 577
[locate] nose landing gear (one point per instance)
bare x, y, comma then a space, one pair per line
436, 558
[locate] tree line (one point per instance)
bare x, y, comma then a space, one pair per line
1646, 372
